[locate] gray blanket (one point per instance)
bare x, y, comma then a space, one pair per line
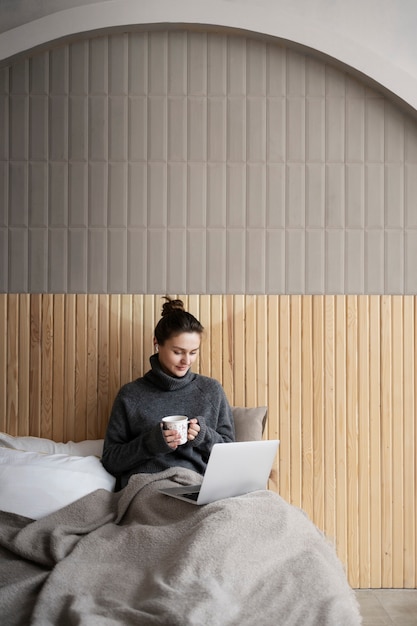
139, 557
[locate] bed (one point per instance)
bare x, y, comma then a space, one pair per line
72, 551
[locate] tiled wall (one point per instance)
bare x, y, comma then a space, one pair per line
179, 162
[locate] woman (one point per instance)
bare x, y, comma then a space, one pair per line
135, 441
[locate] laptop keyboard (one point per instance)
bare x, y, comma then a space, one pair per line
191, 496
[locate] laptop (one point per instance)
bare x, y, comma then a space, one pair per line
233, 469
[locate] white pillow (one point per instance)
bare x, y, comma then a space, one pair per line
34, 484
92, 447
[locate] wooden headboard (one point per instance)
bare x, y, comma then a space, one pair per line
338, 374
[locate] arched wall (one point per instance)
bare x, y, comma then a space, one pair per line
175, 161
375, 38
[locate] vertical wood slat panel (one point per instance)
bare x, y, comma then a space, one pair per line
337, 372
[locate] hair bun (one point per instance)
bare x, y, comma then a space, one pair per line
171, 305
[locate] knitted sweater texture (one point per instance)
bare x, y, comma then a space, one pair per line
134, 442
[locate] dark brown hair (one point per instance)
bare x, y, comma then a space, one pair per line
174, 321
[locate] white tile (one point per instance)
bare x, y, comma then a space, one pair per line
177, 64
177, 129
138, 63
374, 261
137, 194
38, 127
236, 67
256, 68
197, 264
117, 260
275, 195
255, 260
296, 73
18, 127
58, 71
176, 260
97, 260
374, 195
177, 195
276, 130
394, 195
354, 261
117, 194
157, 128
118, 64
58, 194
38, 73
374, 130
236, 195
38, 194
118, 128
98, 69
78, 194
335, 196
276, 70
197, 64
98, 128
18, 194
158, 66
236, 129
295, 261
355, 196
157, 260
296, 131
216, 260
138, 128
335, 254
137, 254
216, 195
197, 129
216, 129
4, 260
315, 183
77, 128
315, 130
38, 260
410, 195
275, 261
18, 260
394, 134
256, 196
197, 195
315, 255
394, 261
256, 130
78, 68
235, 260
335, 130
77, 260
58, 131
355, 129
97, 194
157, 194
58, 260
295, 195
216, 64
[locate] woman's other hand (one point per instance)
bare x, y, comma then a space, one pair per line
193, 429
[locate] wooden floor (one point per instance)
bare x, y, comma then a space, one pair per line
388, 607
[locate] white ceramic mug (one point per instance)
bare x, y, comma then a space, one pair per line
177, 422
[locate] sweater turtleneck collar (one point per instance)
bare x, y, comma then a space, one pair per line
156, 376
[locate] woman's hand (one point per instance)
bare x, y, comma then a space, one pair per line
172, 438
193, 429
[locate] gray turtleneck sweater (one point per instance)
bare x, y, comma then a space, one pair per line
134, 442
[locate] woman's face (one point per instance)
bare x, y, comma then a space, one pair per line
178, 353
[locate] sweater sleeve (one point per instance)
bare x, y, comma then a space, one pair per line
218, 427
121, 452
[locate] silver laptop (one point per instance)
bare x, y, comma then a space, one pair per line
233, 469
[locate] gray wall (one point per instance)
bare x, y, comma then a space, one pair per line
186, 162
